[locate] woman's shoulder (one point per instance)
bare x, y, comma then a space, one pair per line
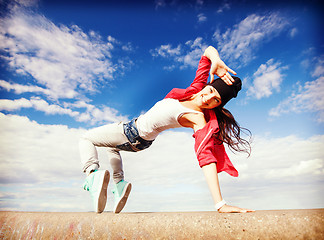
193, 120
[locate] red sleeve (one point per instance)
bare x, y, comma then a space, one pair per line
202, 75
224, 163
198, 83
212, 152
205, 155
209, 150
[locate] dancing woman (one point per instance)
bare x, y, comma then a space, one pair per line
200, 107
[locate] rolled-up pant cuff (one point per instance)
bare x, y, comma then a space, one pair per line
91, 168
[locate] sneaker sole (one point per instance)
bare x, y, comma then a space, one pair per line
102, 200
120, 205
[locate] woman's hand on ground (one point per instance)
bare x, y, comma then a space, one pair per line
233, 209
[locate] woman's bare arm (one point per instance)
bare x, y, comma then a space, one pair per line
211, 175
218, 67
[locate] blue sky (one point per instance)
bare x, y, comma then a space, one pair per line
67, 66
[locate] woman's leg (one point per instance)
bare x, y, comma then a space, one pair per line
89, 155
108, 136
116, 164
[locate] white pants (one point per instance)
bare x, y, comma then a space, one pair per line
108, 136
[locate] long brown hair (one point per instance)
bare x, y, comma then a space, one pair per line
230, 131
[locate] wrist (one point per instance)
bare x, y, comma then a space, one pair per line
211, 53
220, 204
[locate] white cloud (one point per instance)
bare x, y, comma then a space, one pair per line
201, 18
279, 173
184, 55
105, 114
293, 32
319, 67
19, 88
239, 43
13, 105
24, 3
159, 3
196, 49
166, 51
92, 114
308, 98
287, 157
266, 79
197, 4
36, 103
235, 45
313, 166
36, 150
225, 6
59, 63
64, 60
40, 163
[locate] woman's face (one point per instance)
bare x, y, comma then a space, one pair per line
209, 98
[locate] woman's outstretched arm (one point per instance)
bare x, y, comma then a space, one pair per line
211, 176
218, 67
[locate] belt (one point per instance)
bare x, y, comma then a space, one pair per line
131, 132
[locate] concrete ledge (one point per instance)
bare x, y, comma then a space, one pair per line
282, 224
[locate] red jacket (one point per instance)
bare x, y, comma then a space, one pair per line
208, 149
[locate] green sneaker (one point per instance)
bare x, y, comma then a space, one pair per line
121, 193
97, 183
